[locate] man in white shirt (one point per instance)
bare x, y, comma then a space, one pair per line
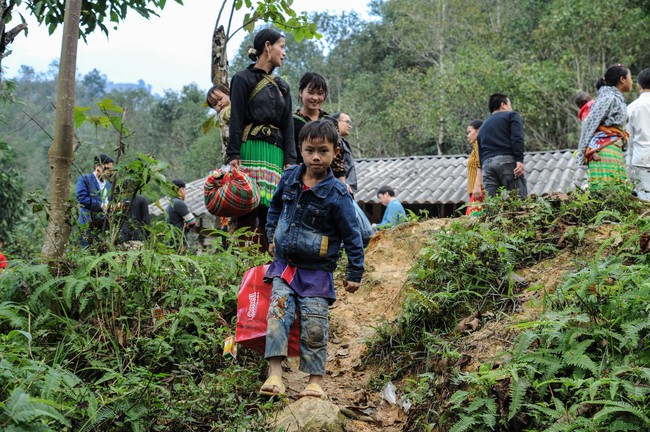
638, 126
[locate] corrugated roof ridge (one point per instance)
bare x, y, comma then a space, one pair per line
449, 156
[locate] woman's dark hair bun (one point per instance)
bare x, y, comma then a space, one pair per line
612, 75
259, 41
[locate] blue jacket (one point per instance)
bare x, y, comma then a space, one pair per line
393, 216
307, 227
89, 197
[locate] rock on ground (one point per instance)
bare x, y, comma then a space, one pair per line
309, 415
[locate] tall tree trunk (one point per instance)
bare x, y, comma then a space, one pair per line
61, 154
441, 135
442, 20
7, 37
441, 65
219, 70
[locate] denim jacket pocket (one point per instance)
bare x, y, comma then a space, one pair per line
315, 216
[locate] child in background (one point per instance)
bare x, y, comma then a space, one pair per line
312, 92
583, 101
218, 98
310, 214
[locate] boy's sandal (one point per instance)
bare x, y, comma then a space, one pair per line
313, 390
271, 384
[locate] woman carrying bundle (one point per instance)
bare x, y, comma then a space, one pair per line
261, 139
603, 131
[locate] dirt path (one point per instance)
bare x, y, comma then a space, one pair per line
353, 317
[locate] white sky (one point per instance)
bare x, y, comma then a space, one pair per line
166, 52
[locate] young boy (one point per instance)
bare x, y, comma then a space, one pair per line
310, 214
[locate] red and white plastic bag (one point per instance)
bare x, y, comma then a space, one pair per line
252, 309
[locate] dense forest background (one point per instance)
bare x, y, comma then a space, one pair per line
411, 78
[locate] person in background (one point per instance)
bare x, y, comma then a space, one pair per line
345, 127
179, 215
603, 131
3, 258
261, 141
312, 92
394, 214
311, 215
93, 194
638, 126
474, 172
584, 102
501, 147
136, 209
218, 98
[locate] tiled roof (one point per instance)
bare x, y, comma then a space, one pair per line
430, 179
443, 179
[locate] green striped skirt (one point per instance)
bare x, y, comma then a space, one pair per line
610, 169
263, 161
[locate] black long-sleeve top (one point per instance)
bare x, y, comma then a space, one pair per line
502, 134
300, 120
271, 106
138, 216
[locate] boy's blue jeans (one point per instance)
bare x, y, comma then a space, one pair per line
314, 327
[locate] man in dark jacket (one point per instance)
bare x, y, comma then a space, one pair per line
501, 148
345, 126
93, 193
134, 212
179, 215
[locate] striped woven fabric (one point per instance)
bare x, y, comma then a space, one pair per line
610, 168
231, 194
262, 161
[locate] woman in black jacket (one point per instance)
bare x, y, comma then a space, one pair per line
261, 139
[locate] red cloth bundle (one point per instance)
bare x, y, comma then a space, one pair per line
230, 194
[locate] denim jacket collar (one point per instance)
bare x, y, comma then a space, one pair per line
321, 190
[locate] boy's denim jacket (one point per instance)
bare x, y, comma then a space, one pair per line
307, 227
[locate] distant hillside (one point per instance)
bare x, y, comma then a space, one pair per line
113, 86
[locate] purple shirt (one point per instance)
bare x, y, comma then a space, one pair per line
305, 282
